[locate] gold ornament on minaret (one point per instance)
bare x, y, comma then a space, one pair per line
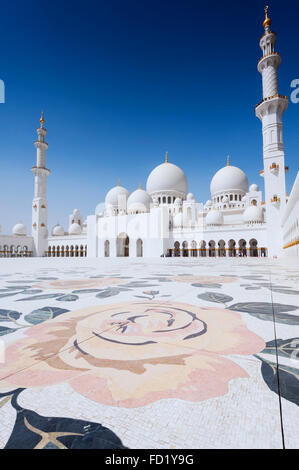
42, 121
267, 22
227, 161
166, 157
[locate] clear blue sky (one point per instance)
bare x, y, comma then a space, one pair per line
121, 81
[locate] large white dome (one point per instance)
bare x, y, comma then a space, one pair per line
169, 178
116, 196
253, 214
229, 178
19, 229
214, 217
139, 201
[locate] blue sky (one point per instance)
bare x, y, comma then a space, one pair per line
123, 81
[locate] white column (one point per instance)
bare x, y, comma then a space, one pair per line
270, 112
40, 203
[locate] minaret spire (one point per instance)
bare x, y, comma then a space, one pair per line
227, 162
267, 22
166, 157
40, 203
270, 111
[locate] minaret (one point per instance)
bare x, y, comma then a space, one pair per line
40, 204
270, 112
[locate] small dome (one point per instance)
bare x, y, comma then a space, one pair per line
190, 197
116, 196
253, 214
178, 220
229, 178
19, 229
178, 201
139, 201
75, 229
208, 203
254, 187
58, 230
167, 177
214, 217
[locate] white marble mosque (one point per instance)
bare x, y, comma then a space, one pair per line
164, 219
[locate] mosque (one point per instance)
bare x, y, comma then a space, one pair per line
165, 219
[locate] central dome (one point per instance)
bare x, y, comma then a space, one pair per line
229, 178
168, 178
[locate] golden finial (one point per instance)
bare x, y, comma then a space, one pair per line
139, 185
42, 121
267, 22
166, 157
118, 182
227, 162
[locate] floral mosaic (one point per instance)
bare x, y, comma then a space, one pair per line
138, 337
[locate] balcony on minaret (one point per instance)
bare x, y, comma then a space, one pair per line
274, 168
275, 200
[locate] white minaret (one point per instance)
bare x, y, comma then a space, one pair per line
270, 112
40, 204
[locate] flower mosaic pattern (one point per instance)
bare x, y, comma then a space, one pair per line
157, 349
184, 337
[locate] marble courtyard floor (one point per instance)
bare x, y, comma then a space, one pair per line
149, 353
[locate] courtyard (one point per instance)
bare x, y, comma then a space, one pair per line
170, 353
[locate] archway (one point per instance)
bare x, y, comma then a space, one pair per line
231, 248
177, 249
139, 248
122, 244
221, 248
194, 248
107, 249
185, 249
253, 251
242, 247
203, 248
212, 250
